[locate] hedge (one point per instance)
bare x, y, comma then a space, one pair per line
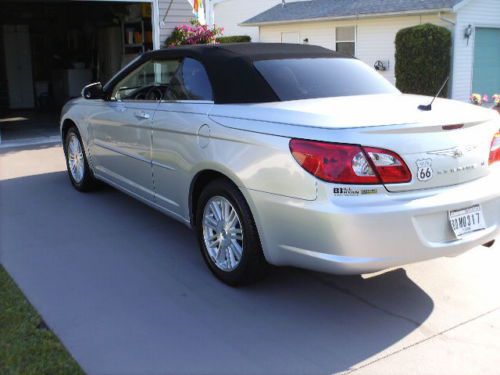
423, 59
234, 39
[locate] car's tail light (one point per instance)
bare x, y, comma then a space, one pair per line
349, 164
495, 149
389, 165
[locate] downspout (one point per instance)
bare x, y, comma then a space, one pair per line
452, 60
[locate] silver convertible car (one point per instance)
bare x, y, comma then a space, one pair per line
290, 155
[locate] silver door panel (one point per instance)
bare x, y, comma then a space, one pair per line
175, 150
122, 144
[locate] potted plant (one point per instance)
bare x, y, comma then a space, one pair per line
483, 100
194, 33
496, 102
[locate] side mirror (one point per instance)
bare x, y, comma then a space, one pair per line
93, 91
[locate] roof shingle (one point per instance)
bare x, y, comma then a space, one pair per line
306, 10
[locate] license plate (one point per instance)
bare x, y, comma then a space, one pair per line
466, 220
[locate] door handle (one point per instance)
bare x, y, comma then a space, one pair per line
121, 108
142, 115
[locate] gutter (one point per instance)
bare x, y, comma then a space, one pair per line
445, 19
355, 17
460, 5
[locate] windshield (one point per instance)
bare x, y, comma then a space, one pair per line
294, 79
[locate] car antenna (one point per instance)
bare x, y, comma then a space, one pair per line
428, 107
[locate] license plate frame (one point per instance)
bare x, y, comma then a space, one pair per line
466, 220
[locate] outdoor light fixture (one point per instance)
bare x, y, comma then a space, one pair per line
381, 65
468, 33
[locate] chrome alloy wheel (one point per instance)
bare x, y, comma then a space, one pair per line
76, 160
222, 233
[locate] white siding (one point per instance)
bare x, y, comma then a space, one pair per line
476, 13
181, 12
228, 14
374, 36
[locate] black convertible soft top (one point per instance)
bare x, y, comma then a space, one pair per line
230, 67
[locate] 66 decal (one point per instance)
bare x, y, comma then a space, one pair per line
424, 169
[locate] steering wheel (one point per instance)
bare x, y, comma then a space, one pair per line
140, 96
154, 93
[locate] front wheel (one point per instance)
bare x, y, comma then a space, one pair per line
227, 235
79, 172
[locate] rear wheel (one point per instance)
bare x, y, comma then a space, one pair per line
227, 235
79, 172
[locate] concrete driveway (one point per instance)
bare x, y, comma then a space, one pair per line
28, 126
127, 291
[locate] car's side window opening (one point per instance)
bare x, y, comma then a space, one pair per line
148, 82
190, 82
176, 79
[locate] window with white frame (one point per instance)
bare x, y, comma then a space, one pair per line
345, 40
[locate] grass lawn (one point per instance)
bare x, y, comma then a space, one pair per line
27, 346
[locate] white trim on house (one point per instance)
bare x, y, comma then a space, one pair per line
155, 19
353, 17
442, 18
461, 4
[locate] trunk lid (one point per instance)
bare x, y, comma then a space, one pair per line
437, 157
355, 111
437, 152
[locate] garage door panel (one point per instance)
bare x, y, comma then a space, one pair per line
486, 71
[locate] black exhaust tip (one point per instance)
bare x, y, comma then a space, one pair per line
489, 243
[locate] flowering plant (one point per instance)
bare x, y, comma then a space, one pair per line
476, 99
194, 33
496, 100
479, 99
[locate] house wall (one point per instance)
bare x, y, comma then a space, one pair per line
181, 12
374, 36
229, 13
476, 13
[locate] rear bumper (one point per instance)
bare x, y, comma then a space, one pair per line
371, 232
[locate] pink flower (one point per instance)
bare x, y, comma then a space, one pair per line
194, 33
485, 98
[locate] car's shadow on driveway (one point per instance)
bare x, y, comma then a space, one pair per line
127, 291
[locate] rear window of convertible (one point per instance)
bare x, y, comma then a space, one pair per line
307, 78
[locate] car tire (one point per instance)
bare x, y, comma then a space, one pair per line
237, 258
80, 174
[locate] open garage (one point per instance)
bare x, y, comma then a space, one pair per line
50, 49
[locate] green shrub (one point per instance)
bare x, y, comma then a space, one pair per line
234, 39
422, 59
